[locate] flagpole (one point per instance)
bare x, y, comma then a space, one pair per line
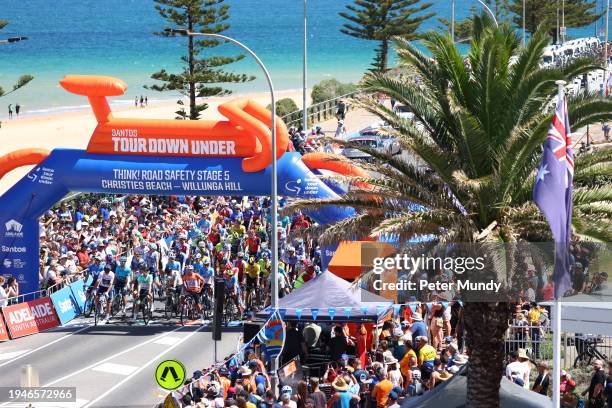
557, 322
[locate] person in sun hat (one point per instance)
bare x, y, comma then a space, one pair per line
342, 398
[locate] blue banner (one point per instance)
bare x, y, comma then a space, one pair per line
65, 304
76, 170
78, 290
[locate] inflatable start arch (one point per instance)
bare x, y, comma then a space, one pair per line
162, 157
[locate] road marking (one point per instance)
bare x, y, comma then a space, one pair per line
44, 346
113, 368
12, 354
97, 363
170, 340
153, 360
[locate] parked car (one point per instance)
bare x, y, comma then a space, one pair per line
374, 138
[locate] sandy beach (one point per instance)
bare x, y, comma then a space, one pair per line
73, 129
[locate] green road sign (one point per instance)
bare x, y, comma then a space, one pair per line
170, 374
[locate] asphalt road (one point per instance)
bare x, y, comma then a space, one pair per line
110, 365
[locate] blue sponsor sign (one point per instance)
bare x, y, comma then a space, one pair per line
78, 291
65, 304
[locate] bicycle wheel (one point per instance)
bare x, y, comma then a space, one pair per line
146, 312
169, 307
185, 306
96, 312
89, 306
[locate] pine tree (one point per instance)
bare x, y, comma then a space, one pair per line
578, 13
22, 81
381, 20
463, 28
200, 76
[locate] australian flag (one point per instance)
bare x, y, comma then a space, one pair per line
552, 191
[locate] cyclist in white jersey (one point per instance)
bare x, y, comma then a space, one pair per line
104, 285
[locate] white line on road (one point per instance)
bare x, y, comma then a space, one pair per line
13, 354
126, 379
113, 368
44, 346
97, 363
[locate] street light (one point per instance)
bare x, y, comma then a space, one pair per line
274, 193
304, 77
483, 4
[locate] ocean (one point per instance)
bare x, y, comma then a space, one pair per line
115, 37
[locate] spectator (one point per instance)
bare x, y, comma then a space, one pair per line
608, 389
596, 396
380, 392
318, 397
518, 370
338, 344
342, 397
3, 294
294, 344
542, 381
418, 328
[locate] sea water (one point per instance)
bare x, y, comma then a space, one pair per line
115, 37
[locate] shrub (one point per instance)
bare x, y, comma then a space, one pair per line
329, 89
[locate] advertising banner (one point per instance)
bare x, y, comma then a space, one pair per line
66, 305
30, 317
78, 292
3, 333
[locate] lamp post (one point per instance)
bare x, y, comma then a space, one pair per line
453, 20
274, 192
483, 4
304, 75
524, 18
605, 78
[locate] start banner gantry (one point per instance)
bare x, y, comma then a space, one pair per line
162, 157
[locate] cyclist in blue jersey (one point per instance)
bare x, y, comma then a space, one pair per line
173, 264
232, 287
94, 270
123, 274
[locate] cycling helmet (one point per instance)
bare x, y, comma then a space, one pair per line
123, 259
153, 246
286, 390
206, 260
109, 257
252, 260
231, 271
228, 266
107, 268
240, 254
198, 256
202, 244
265, 255
189, 267
171, 255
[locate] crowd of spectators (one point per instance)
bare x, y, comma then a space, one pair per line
222, 236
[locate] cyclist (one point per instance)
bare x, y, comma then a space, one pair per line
241, 265
123, 273
144, 284
193, 283
265, 268
208, 274
94, 270
172, 264
232, 287
104, 284
252, 279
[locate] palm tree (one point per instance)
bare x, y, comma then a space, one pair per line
479, 124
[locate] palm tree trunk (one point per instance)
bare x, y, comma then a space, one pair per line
485, 325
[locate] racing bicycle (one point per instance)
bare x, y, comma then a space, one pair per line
188, 309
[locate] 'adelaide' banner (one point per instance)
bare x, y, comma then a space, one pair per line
30, 317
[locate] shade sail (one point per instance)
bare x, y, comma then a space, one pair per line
329, 297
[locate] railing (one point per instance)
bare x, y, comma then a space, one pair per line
43, 292
317, 113
576, 348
